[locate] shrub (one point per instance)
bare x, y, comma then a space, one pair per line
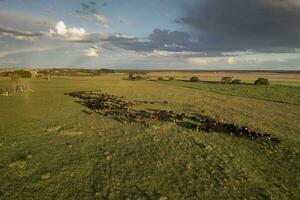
22, 74
226, 79
236, 81
171, 78
262, 81
102, 70
160, 78
131, 76
5, 73
17, 73
138, 77
194, 79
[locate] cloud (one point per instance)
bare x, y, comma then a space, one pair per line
211, 61
110, 39
164, 40
162, 53
89, 7
29, 1
248, 24
19, 35
294, 2
67, 33
160, 43
169, 38
33, 49
92, 52
237, 53
158, 53
81, 16
158, 40
48, 10
78, 35
231, 60
41, 22
249, 60
22, 23
198, 61
101, 19
122, 20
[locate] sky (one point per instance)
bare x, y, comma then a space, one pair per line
156, 34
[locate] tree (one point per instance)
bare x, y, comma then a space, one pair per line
131, 76
139, 77
226, 79
17, 73
22, 74
262, 81
236, 81
194, 79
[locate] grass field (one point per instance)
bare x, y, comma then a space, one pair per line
277, 93
289, 79
50, 149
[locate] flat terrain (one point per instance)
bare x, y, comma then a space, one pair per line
290, 79
51, 149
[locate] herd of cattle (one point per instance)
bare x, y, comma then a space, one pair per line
119, 109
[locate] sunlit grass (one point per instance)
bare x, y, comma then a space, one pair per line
50, 149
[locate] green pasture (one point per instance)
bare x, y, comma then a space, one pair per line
51, 149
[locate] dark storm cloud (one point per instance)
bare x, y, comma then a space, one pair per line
158, 40
244, 24
165, 37
179, 41
163, 40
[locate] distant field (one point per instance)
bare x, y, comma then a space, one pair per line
51, 149
278, 93
290, 79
